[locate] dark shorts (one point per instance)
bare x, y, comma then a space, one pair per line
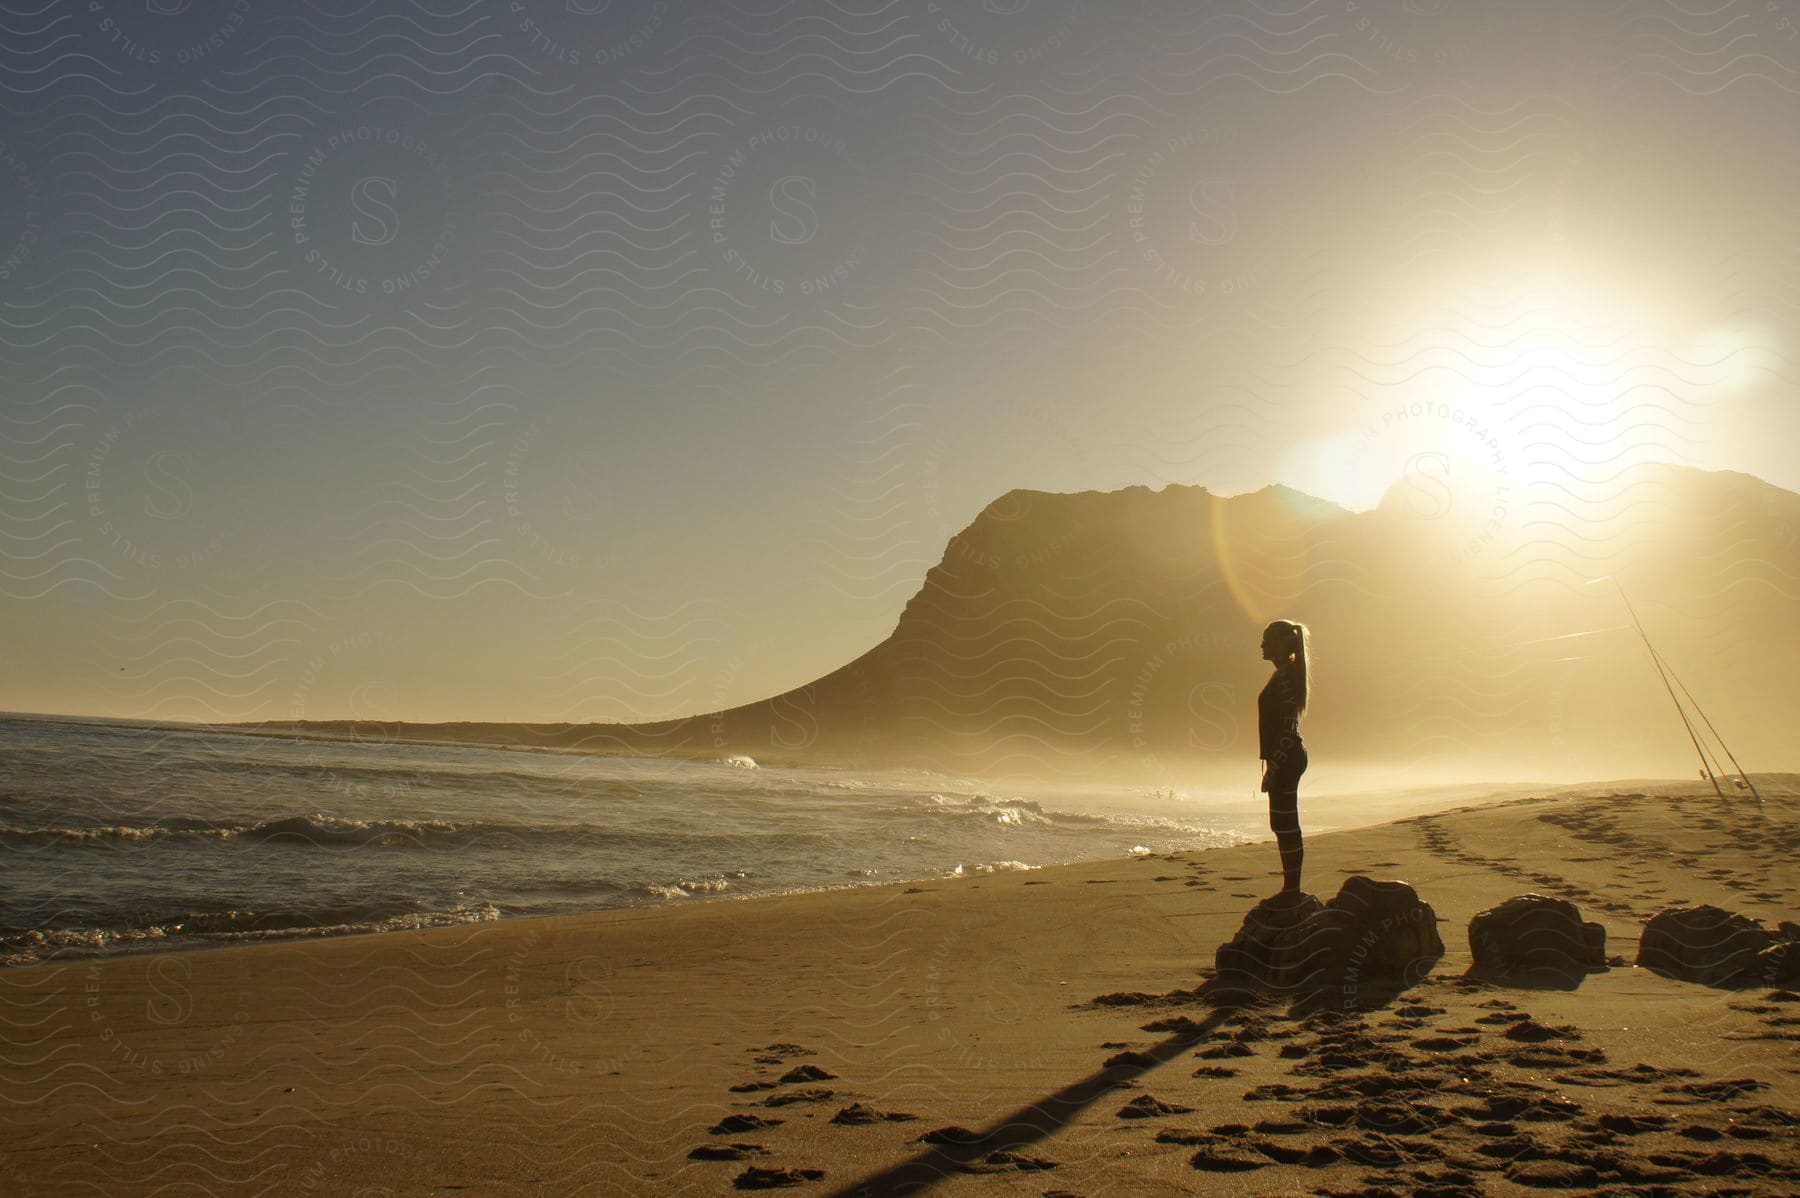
1284, 793
1287, 779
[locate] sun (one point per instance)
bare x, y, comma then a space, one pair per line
1534, 391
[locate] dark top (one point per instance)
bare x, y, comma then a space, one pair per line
1278, 718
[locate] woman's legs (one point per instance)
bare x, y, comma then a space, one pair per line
1284, 821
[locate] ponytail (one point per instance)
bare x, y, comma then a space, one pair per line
1302, 641
1297, 640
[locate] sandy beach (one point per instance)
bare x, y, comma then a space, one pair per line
845, 1042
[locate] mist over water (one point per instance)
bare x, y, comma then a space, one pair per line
120, 836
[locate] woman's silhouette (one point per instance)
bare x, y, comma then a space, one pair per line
1278, 711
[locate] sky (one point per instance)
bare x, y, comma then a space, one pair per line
569, 360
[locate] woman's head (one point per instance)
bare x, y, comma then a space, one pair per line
1288, 644
1282, 639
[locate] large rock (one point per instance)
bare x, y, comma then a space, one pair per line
1374, 939
1377, 932
1258, 957
1532, 937
1716, 947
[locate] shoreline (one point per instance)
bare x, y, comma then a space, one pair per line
165, 946
1424, 800
177, 946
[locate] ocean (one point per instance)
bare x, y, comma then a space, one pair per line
121, 836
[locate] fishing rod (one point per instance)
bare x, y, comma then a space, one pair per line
1656, 660
1743, 779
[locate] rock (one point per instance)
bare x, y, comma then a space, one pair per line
1715, 947
1256, 954
1780, 962
1385, 931
1373, 939
1533, 937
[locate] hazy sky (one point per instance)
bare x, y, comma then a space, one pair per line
593, 359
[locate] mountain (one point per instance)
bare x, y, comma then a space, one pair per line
1115, 635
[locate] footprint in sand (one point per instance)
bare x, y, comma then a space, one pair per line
727, 1152
860, 1115
757, 1177
1001, 1161
1693, 1093
1774, 1011
952, 1134
779, 1054
857, 1114
732, 1125
794, 1096
1505, 1109
1146, 1107
1131, 1059
1531, 1031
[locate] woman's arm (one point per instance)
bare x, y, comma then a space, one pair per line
1280, 721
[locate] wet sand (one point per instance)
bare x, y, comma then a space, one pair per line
857, 1038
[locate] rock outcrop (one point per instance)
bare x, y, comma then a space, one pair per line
1050, 609
1532, 938
1260, 956
1715, 947
1371, 941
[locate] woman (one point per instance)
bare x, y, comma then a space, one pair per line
1278, 711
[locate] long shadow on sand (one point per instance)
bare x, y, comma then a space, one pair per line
1359, 951
1033, 1122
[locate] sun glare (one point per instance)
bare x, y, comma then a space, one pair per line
1486, 401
